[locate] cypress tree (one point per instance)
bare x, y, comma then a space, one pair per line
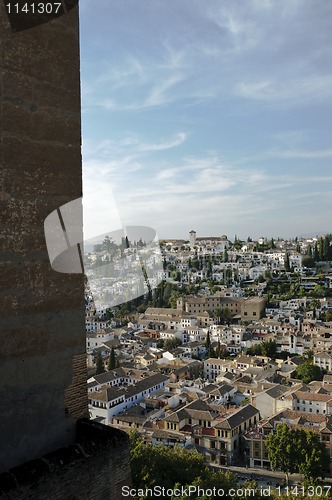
112, 360
99, 365
316, 253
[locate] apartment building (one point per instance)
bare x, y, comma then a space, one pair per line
323, 360
217, 434
111, 400
249, 309
213, 368
313, 402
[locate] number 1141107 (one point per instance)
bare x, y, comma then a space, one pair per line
33, 8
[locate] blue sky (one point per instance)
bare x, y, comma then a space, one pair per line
211, 115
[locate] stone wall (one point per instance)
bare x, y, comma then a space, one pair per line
94, 468
42, 341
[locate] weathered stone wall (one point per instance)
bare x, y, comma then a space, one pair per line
42, 342
95, 468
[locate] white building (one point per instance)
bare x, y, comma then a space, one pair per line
95, 340
109, 401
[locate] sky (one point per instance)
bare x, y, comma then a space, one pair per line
210, 115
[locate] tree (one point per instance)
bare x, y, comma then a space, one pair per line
217, 313
297, 450
226, 315
99, 364
218, 350
170, 344
308, 261
208, 341
315, 254
307, 372
166, 467
281, 449
318, 291
269, 348
112, 360
175, 295
314, 456
309, 354
287, 263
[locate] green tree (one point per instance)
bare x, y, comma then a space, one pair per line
308, 261
218, 350
217, 313
208, 341
174, 296
226, 315
297, 450
287, 263
309, 354
99, 364
307, 372
170, 344
269, 348
315, 254
318, 291
166, 467
281, 450
112, 359
314, 456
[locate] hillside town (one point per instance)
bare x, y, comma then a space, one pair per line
229, 340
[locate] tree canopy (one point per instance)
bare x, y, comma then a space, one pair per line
169, 344
112, 360
297, 450
266, 348
99, 364
153, 465
307, 372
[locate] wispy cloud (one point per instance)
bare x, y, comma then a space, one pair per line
218, 122
319, 154
177, 141
160, 93
291, 92
130, 149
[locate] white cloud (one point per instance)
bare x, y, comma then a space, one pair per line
289, 91
297, 154
177, 141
